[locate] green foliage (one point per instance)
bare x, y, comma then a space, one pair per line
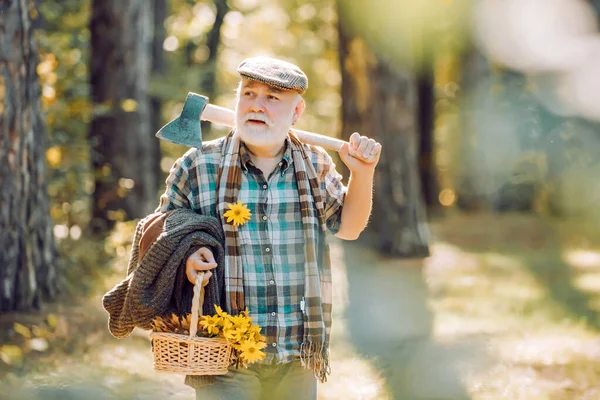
409, 33
303, 33
93, 263
63, 70
509, 152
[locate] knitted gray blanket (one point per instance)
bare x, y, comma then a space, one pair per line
157, 285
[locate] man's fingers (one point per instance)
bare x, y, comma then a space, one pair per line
353, 145
203, 266
206, 255
354, 141
366, 153
376, 149
345, 151
207, 276
364, 142
361, 148
202, 260
193, 274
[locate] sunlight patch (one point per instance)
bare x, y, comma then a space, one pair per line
355, 379
588, 282
550, 348
583, 259
449, 325
445, 257
501, 261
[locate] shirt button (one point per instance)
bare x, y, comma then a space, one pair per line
273, 313
267, 249
264, 186
265, 217
274, 344
271, 282
280, 163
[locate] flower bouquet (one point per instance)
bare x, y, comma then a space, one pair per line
223, 340
244, 337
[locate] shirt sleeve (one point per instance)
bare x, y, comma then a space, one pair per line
177, 191
334, 192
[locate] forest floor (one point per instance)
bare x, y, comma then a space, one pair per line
505, 308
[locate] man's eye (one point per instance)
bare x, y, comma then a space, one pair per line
271, 97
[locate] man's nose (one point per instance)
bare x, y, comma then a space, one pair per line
257, 105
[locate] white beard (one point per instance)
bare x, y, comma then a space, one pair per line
268, 135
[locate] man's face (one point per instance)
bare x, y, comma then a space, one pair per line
264, 114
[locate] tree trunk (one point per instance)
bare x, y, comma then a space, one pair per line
427, 168
469, 189
158, 69
381, 102
29, 271
123, 144
213, 41
209, 70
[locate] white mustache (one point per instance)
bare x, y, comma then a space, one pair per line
257, 117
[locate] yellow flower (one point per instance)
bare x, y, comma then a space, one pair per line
244, 337
240, 322
250, 351
254, 333
238, 213
226, 323
220, 311
233, 335
210, 324
254, 329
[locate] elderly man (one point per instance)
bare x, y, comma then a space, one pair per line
277, 262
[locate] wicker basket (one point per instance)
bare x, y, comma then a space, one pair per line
191, 355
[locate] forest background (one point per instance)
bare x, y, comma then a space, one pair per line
479, 273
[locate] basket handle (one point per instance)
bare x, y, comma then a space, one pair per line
197, 302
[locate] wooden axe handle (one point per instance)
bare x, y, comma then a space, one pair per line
226, 117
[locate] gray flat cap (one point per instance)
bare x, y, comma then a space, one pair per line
273, 72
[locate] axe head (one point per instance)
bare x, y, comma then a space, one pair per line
185, 129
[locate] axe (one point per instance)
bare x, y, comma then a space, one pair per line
185, 129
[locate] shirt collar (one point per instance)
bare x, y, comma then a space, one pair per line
286, 159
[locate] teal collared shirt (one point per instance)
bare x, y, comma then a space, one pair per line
271, 242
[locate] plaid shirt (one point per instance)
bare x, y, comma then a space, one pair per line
272, 242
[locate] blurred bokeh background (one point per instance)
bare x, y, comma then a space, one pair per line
478, 276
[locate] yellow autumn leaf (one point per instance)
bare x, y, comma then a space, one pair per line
11, 355
2, 88
52, 321
54, 156
41, 332
44, 67
129, 105
22, 330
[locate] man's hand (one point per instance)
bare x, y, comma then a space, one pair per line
201, 260
358, 201
361, 146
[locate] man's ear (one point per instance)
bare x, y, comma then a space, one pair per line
299, 110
